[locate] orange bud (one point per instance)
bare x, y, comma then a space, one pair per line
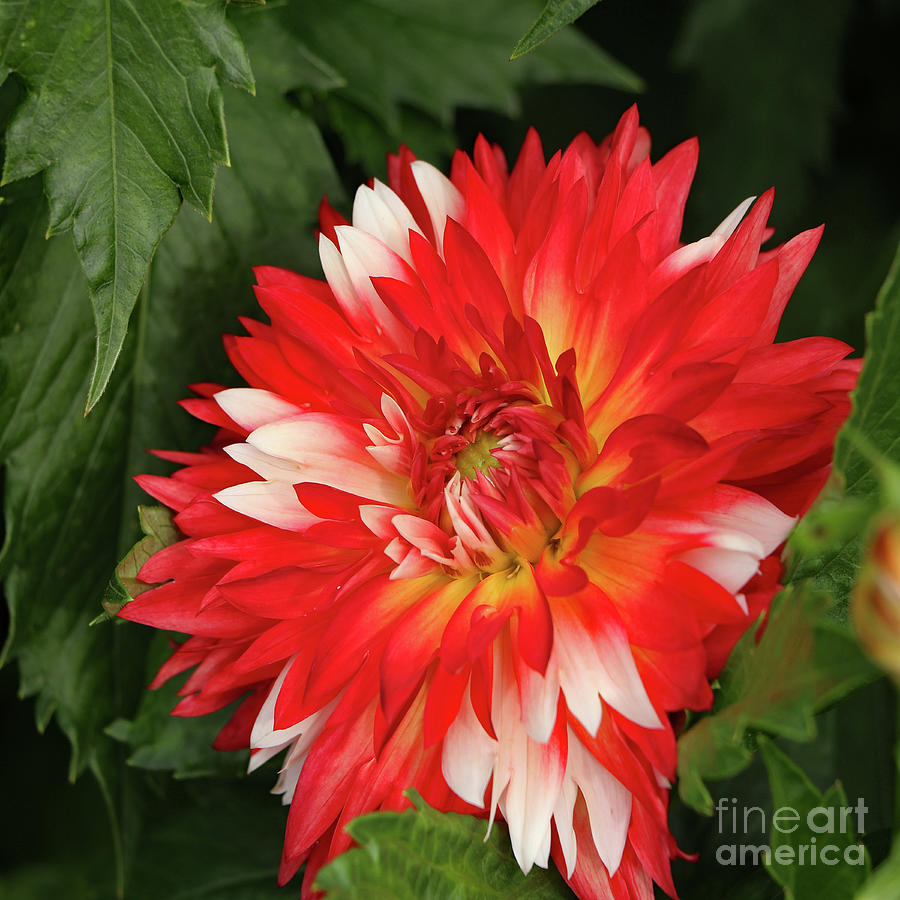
876, 598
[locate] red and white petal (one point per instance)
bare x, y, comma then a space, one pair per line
468, 755
364, 257
608, 803
528, 775
691, 255
380, 212
735, 532
599, 663
539, 699
271, 468
272, 502
563, 814
341, 285
253, 407
328, 450
441, 197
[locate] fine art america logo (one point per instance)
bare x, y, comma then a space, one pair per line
819, 825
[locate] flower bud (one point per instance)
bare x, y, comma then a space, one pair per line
876, 598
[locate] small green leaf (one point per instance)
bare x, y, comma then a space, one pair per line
424, 853
159, 531
555, 15
824, 825
815, 545
124, 112
803, 662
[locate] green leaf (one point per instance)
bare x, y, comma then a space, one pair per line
63, 479
72, 878
424, 853
555, 15
452, 55
885, 881
63, 483
222, 41
201, 279
760, 82
876, 400
803, 662
284, 59
827, 545
69, 500
218, 843
124, 112
368, 141
823, 821
819, 548
159, 531
160, 741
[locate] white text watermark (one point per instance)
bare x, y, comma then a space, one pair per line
823, 823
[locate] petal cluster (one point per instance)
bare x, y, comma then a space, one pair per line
499, 497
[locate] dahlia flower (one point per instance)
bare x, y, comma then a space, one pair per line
501, 495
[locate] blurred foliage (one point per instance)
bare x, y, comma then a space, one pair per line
775, 681
815, 812
801, 95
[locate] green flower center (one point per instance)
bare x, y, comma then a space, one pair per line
477, 456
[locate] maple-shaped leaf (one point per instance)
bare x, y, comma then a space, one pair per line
422, 852
124, 114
